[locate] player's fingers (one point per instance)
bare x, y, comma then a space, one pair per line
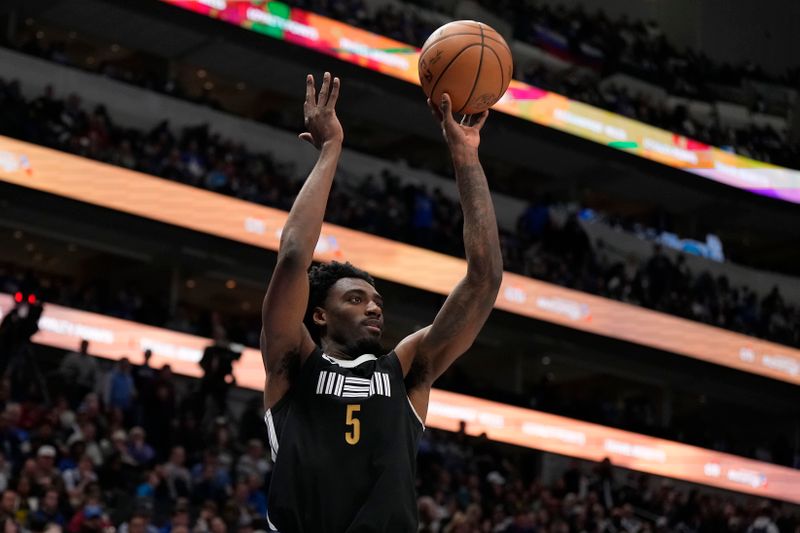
481, 119
323, 92
306, 137
334, 92
435, 111
446, 107
310, 90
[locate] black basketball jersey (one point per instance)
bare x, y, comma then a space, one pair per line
344, 441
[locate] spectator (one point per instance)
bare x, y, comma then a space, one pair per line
549, 242
9, 503
90, 519
10, 442
139, 523
143, 378
45, 462
87, 433
180, 519
210, 480
176, 475
5, 472
253, 462
49, 511
141, 452
77, 479
79, 372
119, 390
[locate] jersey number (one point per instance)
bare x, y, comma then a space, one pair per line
352, 437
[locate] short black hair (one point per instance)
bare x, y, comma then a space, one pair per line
320, 279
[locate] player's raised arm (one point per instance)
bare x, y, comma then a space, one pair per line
466, 309
283, 335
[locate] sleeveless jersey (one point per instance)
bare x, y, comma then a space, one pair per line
344, 442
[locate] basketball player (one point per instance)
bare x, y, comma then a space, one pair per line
343, 417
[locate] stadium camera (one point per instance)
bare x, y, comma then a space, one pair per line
22, 322
218, 359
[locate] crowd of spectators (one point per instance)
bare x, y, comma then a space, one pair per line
468, 485
140, 301
632, 407
760, 142
123, 447
607, 46
60, 50
593, 43
393, 21
545, 245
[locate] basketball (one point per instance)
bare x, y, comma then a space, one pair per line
468, 60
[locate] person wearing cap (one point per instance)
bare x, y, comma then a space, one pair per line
45, 461
139, 450
41, 471
119, 446
90, 519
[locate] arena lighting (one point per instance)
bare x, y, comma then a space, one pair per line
18, 297
114, 338
31, 299
188, 207
399, 60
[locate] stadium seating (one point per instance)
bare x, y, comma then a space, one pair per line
626, 66
539, 245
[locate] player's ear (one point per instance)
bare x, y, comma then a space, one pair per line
319, 317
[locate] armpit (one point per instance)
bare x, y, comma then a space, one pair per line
419, 373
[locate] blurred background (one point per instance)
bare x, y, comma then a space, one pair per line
646, 173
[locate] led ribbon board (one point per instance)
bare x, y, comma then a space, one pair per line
399, 60
111, 187
114, 338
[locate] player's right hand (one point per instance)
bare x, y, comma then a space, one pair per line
322, 124
460, 137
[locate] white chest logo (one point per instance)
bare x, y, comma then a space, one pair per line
334, 384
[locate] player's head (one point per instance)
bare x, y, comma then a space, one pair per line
345, 308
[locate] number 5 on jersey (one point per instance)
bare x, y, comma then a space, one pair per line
352, 437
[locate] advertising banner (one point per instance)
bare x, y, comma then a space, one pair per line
188, 207
113, 338
524, 101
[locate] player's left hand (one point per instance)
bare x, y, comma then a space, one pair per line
463, 135
322, 124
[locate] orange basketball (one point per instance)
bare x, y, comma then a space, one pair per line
468, 60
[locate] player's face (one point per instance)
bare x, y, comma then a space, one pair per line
353, 312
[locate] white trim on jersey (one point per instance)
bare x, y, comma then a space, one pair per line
272, 435
411, 405
331, 381
270, 524
344, 363
387, 389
